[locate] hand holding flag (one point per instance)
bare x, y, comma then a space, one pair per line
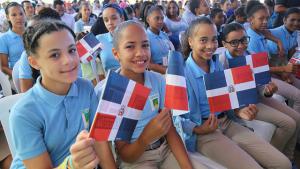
119, 109
259, 65
230, 89
87, 47
176, 94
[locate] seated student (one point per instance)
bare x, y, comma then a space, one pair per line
112, 17
239, 16
155, 142
48, 123
218, 18
236, 41
287, 33
288, 86
194, 9
26, 74
216, 135
85, 22
160, 44
11, 44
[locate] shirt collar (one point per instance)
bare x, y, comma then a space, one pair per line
254, 35
294, 34
197, 71
13, 34
52, 98
153, 34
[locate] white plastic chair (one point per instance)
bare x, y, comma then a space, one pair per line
6, 103
5, 84
15, 76
263, 129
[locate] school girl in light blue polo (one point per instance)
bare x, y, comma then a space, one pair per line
286, 120
160, 44
287, 33
112, 17
216, 135
85, 23
49, 123
11, 44
155, 142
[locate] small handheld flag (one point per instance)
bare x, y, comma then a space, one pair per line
259, 65
87, 47
296, 60
230, 89
176, 94
119, 109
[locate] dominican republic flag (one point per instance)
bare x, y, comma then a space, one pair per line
230, 89
119, 109
176, 95
87, 47
259, 65
295, 60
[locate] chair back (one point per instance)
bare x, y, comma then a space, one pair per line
5, 84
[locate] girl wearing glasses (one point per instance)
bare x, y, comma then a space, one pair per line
216, 135
235, 41
288, 85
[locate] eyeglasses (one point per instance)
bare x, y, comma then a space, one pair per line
235, 43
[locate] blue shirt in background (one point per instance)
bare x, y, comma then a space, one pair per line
107, 58
11, 44
258, 42
289, 40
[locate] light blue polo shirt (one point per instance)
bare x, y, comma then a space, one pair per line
79, 25
42, 121
107, 58
198, 103
159, 45
288, 39
156, 83
25, 71
11, 44
258, 42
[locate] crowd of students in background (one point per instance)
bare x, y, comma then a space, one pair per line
38, 53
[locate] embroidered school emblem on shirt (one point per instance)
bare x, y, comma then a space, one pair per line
154, 99
85, 114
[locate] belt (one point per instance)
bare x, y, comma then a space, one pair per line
156, 144
221, 115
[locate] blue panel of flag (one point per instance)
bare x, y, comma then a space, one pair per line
215, 80
91, 40
126, 129
175, 63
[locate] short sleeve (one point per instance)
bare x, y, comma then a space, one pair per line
25, 71
3, 45
27, 134
78, 27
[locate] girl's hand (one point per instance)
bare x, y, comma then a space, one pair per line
270, 89
286, 77
83, 154
209, 126
157, 127
291, 68
247, 113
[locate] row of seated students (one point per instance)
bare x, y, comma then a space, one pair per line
46, 123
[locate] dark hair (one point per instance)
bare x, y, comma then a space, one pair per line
120, 28
252, 7
168, 6
128, 10
151, 10
10, 5
34, 33
290, 11
48, 13
57, 2
26, 1
269, 3
185, 48
116, 7
222, 2
144, 9
240, 11
230, 28
193, 4
214, 12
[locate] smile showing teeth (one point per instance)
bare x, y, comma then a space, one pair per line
140, 62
